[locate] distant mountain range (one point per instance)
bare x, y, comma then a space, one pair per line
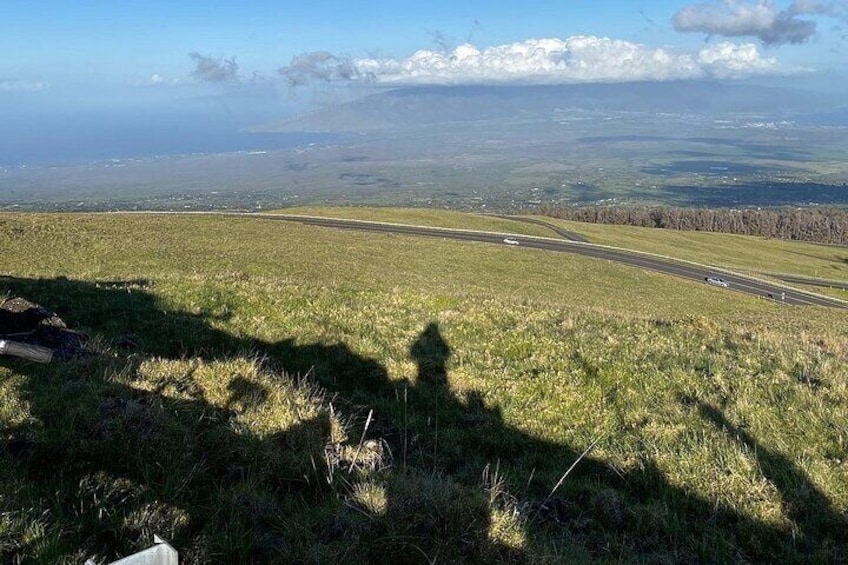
419, 106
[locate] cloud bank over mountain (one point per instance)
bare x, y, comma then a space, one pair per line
574, 60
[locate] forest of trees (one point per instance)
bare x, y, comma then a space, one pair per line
820, 225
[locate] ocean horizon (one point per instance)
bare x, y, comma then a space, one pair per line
36, 138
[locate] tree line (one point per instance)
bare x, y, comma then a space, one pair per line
820, 225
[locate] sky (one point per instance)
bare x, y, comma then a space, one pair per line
94, 47
89, 79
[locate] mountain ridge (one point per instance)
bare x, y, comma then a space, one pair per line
413, 106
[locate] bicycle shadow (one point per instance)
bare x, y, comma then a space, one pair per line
104, 465
108, 452
815, 521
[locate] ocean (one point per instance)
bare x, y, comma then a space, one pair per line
39, 137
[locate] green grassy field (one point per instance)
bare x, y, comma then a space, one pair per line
746, 253
273, 392
424, 217
834, 292
743, 253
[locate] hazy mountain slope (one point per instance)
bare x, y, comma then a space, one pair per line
405, 107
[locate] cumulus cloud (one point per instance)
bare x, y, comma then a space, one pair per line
318, 67
578, 59
21, 86
210, 69
761, 19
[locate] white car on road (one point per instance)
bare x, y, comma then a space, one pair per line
716, 281
511, 241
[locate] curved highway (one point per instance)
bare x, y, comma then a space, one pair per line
738, 283
565, 234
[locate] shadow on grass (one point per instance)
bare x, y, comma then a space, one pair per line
815, 520
100, 465
828, 259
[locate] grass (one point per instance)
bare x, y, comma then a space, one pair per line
269, 392
744, 253
834, 292
424, 217
105, 247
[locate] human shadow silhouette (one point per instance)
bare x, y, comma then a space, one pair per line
91, 438
607, 514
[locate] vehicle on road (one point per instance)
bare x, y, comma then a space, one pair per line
716, 281
511, 241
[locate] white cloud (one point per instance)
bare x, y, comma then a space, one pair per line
577, 59
157, 79
21, 86
761, 19
729, 60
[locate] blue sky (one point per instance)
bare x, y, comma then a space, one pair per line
64, 43
86, 79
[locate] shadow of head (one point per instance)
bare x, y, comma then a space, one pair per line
431, 353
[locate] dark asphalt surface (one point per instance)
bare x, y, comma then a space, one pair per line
738, 283
812, 282
565, 234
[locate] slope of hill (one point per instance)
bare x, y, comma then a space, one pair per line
266, 392
741, 253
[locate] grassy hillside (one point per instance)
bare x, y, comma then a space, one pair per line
424, 217
744, 253
271, 392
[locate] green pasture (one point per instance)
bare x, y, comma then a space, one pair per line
262, 391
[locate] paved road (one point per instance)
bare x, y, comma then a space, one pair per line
565, 234
738, 283
824, 283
